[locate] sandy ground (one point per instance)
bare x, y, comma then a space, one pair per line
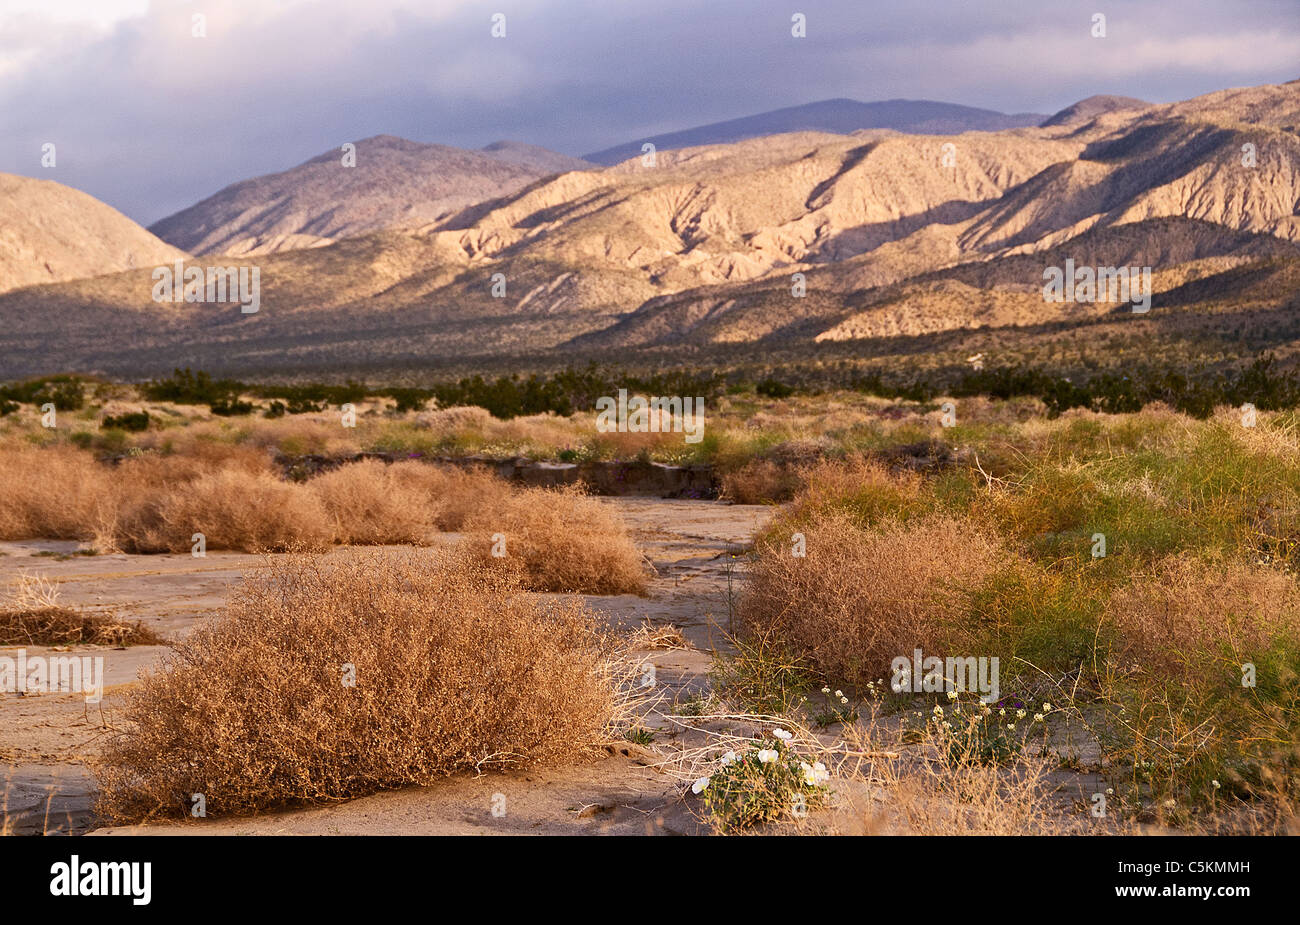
45, 740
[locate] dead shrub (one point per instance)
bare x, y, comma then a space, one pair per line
156, 502
1191, 620
371, 502
232, 508
861, 487
656, 636
862, 596
457, 418
31, 615
761, 481
51, 493
461, 492
62, 626
454, 670
560, 540
199, 457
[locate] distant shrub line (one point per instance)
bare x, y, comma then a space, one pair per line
66, 393
1195, 393
185, 387
569, 390
505, 397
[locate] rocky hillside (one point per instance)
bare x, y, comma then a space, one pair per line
805, 241
50, 233
395, 183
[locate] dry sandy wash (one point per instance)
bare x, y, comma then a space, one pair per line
45, 740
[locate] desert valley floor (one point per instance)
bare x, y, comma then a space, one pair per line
45, 740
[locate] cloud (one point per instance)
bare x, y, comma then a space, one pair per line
151, 119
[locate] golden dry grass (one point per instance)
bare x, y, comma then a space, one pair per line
454, 670
861, 597
54, 493
560, 540
1193, 620
370, 502
232, 508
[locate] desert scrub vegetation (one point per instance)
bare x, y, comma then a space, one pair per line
556, 540
559, 540
232, 509
31, 614
1138, 570
329, 678
860, 596
370, 502
155, 502
947, 790
56, 493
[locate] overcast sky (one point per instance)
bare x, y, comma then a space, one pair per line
150, 119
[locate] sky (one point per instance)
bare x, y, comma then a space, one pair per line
151, 118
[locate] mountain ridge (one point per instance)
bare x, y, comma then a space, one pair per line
801, 242
52, 233
394, 183
839, 116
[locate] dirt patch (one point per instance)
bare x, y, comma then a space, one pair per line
46, 740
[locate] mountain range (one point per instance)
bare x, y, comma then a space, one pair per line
871, 242
918, 117
392, 183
